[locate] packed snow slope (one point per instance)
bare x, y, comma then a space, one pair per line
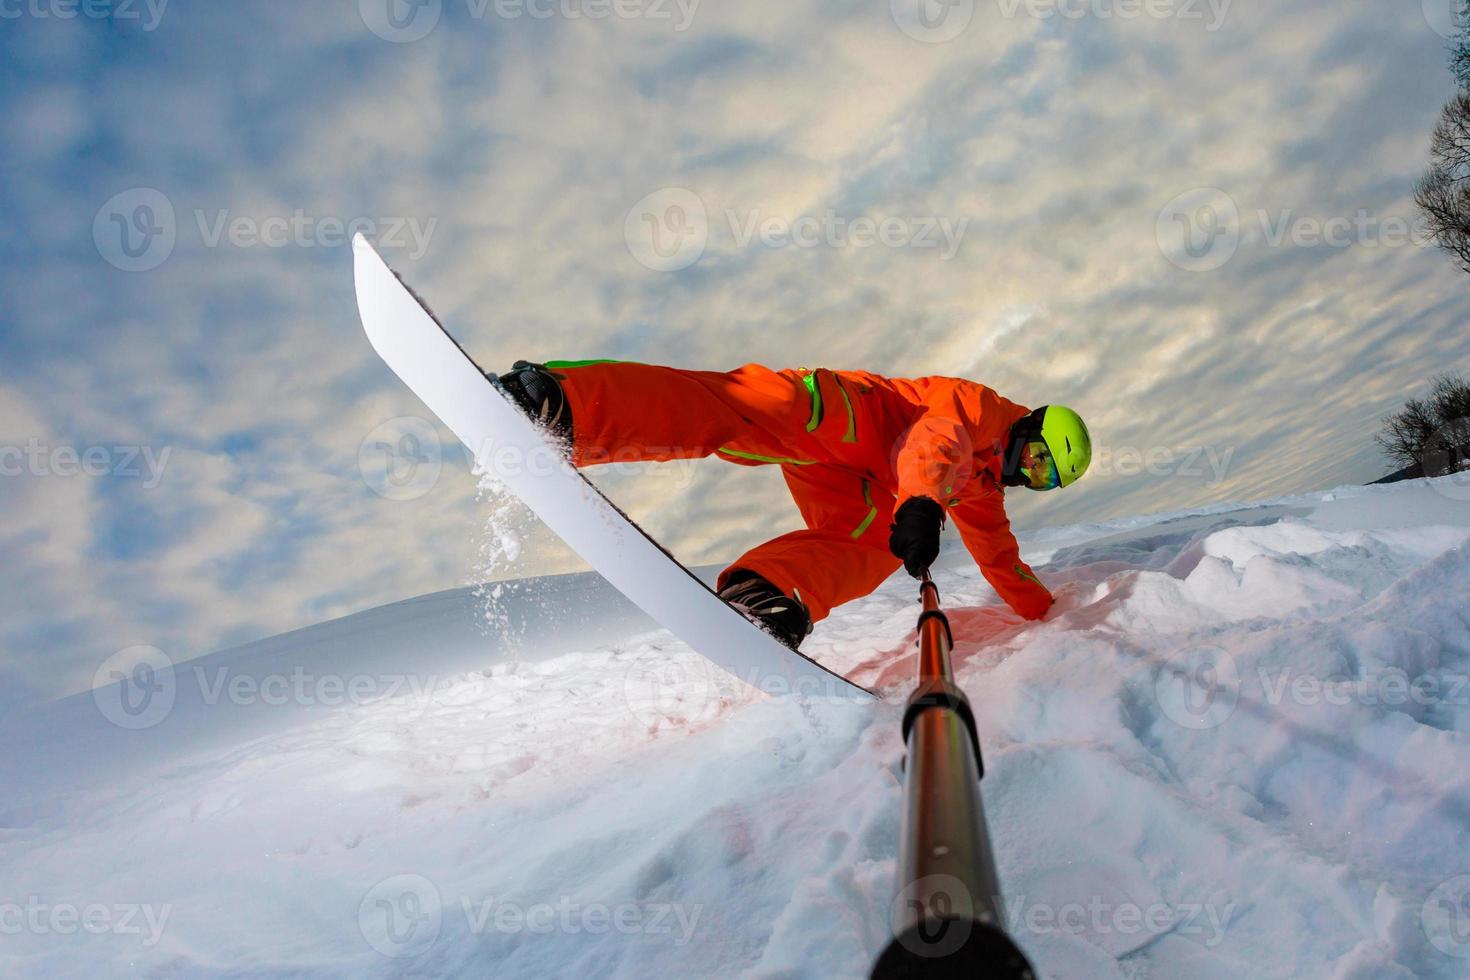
1237, 747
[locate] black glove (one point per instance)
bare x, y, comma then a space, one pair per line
914, 534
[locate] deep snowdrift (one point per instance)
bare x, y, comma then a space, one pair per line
1237, 747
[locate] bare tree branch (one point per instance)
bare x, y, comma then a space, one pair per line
1433, 434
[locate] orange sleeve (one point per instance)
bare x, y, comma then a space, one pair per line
986, 532
935, 459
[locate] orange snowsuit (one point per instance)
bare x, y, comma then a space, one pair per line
852, 446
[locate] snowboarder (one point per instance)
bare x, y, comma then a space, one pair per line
860, 453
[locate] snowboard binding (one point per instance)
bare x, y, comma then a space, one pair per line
784, 617
538, 393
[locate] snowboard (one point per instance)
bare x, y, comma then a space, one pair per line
529, 463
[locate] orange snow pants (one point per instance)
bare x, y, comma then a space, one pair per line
753, 416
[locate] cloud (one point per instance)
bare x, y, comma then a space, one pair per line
1055, 143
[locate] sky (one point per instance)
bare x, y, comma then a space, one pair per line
1191, 220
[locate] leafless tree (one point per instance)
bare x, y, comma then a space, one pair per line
1443, 193
1431, 435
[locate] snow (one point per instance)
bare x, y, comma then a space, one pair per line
514, 452
1237, 747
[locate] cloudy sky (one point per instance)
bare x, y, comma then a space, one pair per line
1191, 220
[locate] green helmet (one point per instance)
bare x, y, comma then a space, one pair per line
1065, 434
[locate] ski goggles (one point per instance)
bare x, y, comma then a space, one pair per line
1038, 467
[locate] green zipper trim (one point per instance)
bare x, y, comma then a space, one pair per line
810, 381
1021, 571
558, 365
872, 511
766, 459
851, 418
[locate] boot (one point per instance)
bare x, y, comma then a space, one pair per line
784, 617
538, 393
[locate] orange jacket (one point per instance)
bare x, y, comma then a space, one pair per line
949, 439
937, 437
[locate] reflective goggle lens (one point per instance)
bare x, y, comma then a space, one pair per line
1039, 467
